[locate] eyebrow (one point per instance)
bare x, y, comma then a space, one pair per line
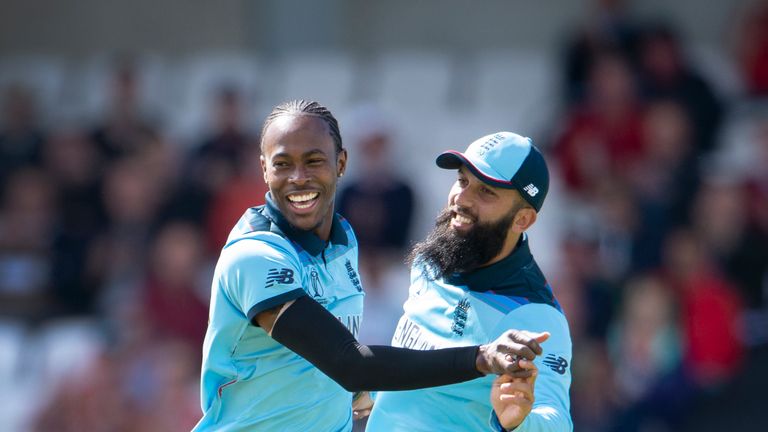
303, 155
465, 172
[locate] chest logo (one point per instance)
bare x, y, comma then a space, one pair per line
282, 276
556, 363
353, 276
460, 317
316, 286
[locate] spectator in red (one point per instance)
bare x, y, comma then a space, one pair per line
244, 189
94, 402
752, 46
710, 311
723, 222
171, 290
602, 135
225, 173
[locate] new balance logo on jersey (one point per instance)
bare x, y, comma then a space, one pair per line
279, 276
531, 189
557, 364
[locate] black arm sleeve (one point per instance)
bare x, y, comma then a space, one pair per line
312, 332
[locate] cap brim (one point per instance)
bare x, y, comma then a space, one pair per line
452, 159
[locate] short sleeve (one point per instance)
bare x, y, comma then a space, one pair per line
551, 410
258, 275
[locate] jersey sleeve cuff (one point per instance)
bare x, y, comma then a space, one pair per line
274, 301
496, 424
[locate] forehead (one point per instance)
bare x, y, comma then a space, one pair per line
297, 133
509, 195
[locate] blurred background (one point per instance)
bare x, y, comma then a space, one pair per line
129, 147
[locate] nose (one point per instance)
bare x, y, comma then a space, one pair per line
299, 176
461, 198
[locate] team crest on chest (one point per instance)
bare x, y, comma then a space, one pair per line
460, 317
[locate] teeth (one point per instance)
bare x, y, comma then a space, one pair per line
302, 206
303, 197
462, 219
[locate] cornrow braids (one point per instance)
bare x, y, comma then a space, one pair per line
303, 107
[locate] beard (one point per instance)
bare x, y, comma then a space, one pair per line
446, 251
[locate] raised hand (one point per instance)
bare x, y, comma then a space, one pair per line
503, 355
512, 398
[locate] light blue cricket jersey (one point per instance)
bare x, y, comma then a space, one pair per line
473, 309
250, 382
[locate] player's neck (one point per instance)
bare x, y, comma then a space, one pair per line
323, 230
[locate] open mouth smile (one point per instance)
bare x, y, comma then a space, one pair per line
461, 221
303, 200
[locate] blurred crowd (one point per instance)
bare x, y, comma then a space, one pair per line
115, 226
665, 272
109, 229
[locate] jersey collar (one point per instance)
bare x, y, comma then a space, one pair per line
306, 239
486, 278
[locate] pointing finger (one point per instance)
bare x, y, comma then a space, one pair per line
529, 339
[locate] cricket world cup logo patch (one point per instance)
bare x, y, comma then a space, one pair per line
314, 281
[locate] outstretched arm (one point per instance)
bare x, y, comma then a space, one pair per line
309, 330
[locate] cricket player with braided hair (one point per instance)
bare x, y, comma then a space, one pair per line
473, 277
280, 352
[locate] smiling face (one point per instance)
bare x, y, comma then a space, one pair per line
472, 203
480, 226
301, 168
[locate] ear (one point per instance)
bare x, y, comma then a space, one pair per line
524, 218
263, 161
341, 162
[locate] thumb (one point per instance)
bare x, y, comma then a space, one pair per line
541, 337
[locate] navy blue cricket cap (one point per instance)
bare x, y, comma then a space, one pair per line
506, 160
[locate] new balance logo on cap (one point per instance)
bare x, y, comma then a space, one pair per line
531, 189
279, 276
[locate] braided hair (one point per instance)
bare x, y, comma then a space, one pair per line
309, 108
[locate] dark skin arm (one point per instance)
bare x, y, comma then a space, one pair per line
266, 319
500, 356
